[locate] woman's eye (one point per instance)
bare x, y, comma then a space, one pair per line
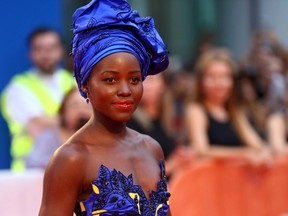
135, 80
110, 80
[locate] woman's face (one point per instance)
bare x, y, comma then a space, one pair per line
46, 51
76, 111
115, 86
217, 82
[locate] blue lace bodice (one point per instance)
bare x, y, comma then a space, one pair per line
115, 194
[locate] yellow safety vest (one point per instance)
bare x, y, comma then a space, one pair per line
21, 142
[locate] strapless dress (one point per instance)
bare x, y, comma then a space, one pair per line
114, 194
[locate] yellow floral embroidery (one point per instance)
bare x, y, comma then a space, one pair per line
98, 212
95, 189
133, 196
158, 207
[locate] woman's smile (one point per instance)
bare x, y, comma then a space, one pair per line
125, 105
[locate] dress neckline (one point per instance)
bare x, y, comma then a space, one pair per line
105, 172
114, 192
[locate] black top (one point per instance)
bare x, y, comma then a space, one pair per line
222, 133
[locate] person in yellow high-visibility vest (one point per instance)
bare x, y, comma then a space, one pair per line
30, 102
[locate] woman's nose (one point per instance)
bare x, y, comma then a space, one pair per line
124, 89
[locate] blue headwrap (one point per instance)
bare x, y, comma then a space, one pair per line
103, 27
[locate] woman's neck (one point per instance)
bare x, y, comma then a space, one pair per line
107, 126
215, 105
217, 110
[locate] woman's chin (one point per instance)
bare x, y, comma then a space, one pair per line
219, 101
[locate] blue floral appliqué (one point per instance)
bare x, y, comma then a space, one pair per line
115, 194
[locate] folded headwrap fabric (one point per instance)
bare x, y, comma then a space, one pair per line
103, 27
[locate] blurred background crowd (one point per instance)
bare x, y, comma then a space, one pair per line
224, 95
227, 76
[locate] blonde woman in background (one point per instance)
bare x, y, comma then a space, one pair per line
216, 125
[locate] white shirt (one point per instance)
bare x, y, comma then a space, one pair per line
24, 105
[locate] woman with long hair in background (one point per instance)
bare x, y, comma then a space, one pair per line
217, 127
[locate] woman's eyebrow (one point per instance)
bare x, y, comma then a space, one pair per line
109, 71
117, 72
135, 71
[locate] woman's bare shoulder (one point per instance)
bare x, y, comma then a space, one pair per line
153, 146
195, 113
75, 149
63, 179
67, 156
195, 108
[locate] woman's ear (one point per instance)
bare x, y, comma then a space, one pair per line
85, 89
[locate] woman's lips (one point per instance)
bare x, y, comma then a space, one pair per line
124, 105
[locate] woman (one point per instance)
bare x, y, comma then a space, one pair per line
277, 127
216, 125
110, 50
73, 114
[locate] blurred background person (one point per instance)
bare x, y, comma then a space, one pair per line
74, 112
262, 78
217, 127
264, 68
277, 126
179, 90
149, 119
31, 99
